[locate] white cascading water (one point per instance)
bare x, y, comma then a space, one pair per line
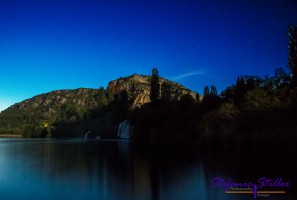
124, 130
86, 135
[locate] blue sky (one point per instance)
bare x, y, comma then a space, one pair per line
50, 44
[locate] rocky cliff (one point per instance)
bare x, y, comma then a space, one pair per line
138, 87
82, 97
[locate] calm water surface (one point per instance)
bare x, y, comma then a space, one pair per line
77, 169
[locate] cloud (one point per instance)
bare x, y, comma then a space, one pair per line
185, 75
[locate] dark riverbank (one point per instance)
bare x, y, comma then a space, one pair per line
10, 136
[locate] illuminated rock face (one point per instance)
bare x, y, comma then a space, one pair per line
82, 97
138, 88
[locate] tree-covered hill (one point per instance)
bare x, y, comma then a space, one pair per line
45, 110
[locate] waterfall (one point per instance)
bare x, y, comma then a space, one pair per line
86, 135
124, 130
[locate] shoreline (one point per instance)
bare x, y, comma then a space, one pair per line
10, 136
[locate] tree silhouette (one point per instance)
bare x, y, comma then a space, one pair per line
250, 83
240, 90
211, 100
206, 91
166, 91
155, 85
292, 53
198, 97
213, 90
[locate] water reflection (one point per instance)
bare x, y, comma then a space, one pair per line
78, 169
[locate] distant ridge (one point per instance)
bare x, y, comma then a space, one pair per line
47, 106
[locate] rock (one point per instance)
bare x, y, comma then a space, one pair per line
138, 88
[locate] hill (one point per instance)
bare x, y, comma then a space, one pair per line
138, 87
45, 109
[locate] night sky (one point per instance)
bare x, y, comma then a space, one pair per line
47, 45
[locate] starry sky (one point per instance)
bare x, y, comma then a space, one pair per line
47, 45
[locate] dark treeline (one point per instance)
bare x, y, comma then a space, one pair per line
101, 121
253, 109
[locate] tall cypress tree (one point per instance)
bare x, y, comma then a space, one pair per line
155, 85
240, 90
292, 53
206, 91
213, 90
166, 91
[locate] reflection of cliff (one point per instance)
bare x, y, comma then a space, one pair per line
138, 87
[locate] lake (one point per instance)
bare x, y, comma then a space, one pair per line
114, 169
